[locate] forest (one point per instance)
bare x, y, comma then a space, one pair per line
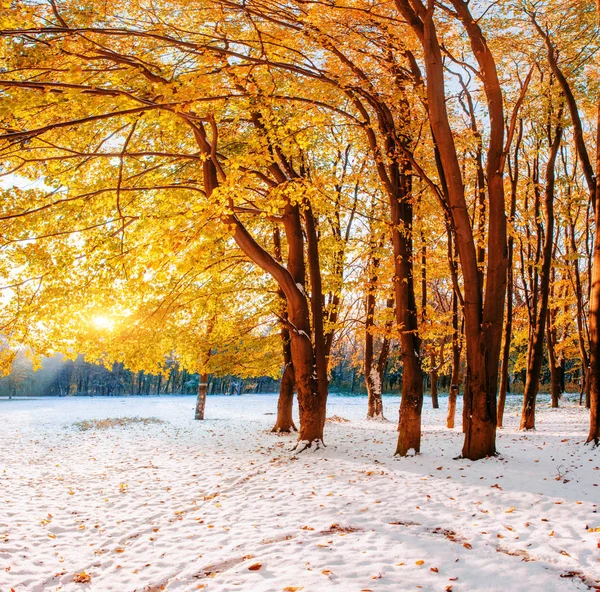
311, 198
251, 187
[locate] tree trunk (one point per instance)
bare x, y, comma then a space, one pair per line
433, 378
507, 338
585, 360
309, 359
535, 352
201, 399
285, 404
483, 312
455, 379
374, 372
594, 323
554, 387
409, 425
374, 399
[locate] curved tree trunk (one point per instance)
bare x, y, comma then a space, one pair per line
308, 360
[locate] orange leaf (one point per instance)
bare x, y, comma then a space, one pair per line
82, 578
255, 566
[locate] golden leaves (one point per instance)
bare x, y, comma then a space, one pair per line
82, 578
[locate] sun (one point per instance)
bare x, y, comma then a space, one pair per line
103, 322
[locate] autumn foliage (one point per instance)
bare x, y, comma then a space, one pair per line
256, 188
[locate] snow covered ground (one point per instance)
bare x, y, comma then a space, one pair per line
223, 505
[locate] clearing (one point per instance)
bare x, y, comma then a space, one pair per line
164, 502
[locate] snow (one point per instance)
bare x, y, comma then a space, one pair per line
193, 505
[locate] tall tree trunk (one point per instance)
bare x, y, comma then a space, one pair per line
373, 372
433, 379
285, 403
581, 333
411, 404
551, 335
455, 379
536, 346
594, 322
591, 374
554, 387
507, 337
201, 398
483, 313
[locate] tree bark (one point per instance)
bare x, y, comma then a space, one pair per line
483, 313
411, 404
285, 403
507, 338
594, 322
433, 379
554, 386
455, 379
373, 372
201, 398
535, 351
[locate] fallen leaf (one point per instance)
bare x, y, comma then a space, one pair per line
255, 566
420, 562
82, 578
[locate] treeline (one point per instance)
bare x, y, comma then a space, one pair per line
60, 377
